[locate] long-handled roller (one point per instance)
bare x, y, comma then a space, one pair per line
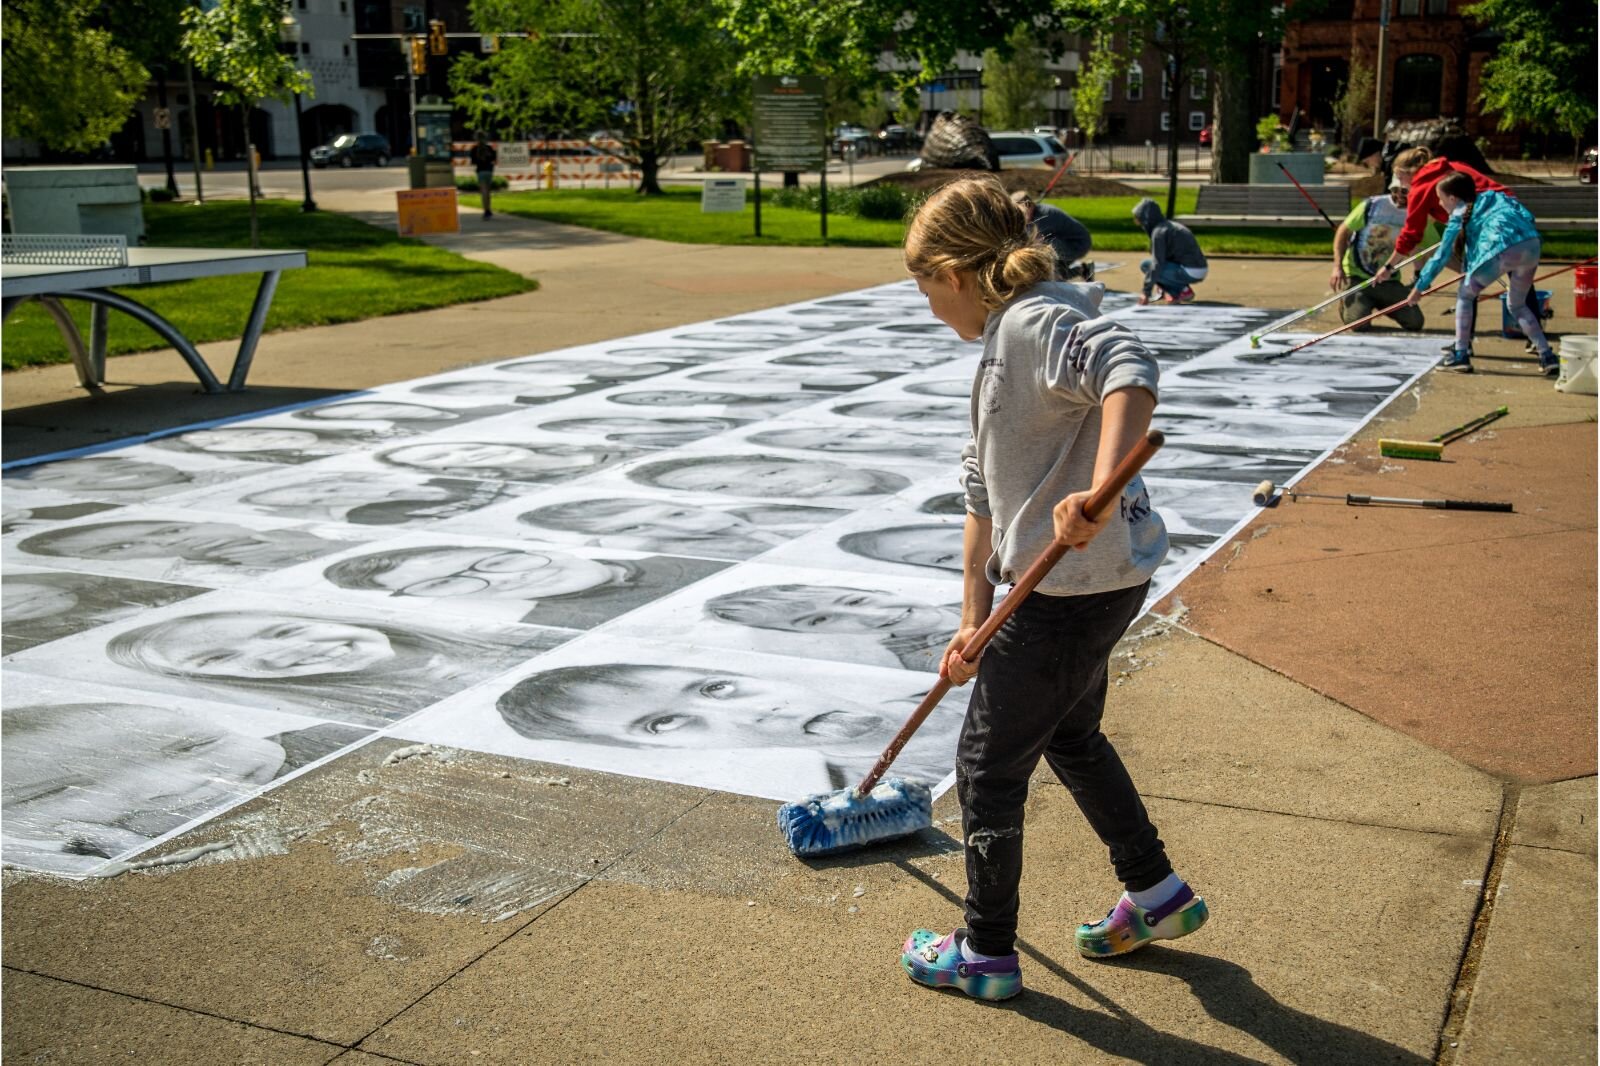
830, 822
1266, 494
1273, 327
1358, 322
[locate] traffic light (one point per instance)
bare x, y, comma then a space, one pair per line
438, 44
419, 56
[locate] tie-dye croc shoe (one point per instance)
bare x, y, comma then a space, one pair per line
935, 961
1129, 926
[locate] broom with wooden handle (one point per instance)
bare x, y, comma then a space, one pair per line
849, 818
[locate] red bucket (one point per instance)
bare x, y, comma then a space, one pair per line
1586, 304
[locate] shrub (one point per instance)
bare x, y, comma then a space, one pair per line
470, 184
159, 195
889, 203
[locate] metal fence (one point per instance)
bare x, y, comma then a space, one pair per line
1147, 158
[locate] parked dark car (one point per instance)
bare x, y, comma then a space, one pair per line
858, 137
352, 150
896, 139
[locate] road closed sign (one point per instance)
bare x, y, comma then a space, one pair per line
722, 194
424, 211
513, 153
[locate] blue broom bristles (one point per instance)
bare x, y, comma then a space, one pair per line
831, 822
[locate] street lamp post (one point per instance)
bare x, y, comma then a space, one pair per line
289, 32
980, 94
1060, 117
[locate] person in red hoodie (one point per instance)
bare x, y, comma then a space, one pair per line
1419, 169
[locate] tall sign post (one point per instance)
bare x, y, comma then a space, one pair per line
791, 131
1377, 95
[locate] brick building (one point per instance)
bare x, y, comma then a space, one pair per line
1434, 59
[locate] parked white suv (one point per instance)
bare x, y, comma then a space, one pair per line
1020, 150
1024, 149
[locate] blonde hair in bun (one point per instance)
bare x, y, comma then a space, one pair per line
973, 225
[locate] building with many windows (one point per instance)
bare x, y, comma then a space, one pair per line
1433, 61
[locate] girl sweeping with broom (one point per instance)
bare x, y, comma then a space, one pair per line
1061, 396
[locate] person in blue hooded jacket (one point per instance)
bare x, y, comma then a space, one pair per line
1493, 234
1176, 261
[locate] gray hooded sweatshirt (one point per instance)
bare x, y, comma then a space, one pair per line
1169, 241
1048, 361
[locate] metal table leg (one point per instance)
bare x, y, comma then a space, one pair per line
99, 319
74, 339
134, 309
252, 330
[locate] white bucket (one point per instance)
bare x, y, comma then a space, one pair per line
1577, 365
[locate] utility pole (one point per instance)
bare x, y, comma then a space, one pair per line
1383, 40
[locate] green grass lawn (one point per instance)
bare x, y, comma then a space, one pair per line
676, 217
354, 271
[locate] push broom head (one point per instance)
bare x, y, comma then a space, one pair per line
831, 822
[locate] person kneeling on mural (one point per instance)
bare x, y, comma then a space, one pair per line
1361, 245
484, 157
1493, 234
1176, 261
1065, 235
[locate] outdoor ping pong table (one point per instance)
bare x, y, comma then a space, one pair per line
51, 269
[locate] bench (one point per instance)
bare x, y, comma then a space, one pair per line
51, 268
1559, 207
1267, 205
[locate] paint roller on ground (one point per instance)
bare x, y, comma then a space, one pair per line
832, 822
1267, 494
1433, 450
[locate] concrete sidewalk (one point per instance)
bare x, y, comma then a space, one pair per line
1367, 736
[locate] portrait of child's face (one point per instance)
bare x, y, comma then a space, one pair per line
505, 460
767, 476
936, 546
836, 609
665, 706
377, 411
92, 781
231, 440
482, 573
259, 645
222, 543
101, 475
341, 491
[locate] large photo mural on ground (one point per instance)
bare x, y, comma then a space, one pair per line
726, 555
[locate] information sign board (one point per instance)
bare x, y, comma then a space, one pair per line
722, 194
790, 127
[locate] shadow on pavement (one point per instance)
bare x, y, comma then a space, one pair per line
123, 414
1227, 992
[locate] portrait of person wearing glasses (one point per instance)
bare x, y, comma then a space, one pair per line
544, 586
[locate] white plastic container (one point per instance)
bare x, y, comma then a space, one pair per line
1577, 365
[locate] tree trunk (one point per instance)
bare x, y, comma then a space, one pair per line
1233, 136
250, 174
649, 167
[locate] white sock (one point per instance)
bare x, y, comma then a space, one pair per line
1157, 894
975, 956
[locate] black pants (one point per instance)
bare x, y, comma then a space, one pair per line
1040, 691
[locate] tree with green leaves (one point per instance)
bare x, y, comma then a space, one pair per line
1353, 105
1225, 34
152, 30
237, 44
846, 41
67, 84
1544, 72
1018, 79
658, 71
